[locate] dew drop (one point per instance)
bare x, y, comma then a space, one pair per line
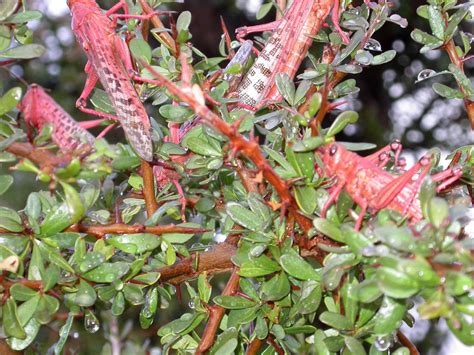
191, 304
425, 74
373, 45
91, 323
384, 342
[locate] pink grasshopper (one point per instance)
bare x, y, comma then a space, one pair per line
373, 188
285, 49
110, 63
39, 108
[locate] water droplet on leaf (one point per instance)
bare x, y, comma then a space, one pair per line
425, 74
373, 45
91, 323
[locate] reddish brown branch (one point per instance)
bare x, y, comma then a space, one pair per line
149, 188
216, 314
407, 343
450, 48
216, 260
254, 346
101, 230
45, 159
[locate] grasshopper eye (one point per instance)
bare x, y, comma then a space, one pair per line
333, 150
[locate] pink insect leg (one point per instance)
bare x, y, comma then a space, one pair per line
335, 21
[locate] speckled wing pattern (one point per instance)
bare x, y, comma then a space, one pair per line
39, 109
241, 57
284, 51
100, 42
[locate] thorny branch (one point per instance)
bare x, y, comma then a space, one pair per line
216, 314
45, 159
101, 230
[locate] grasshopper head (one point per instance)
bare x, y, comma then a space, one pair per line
332, 155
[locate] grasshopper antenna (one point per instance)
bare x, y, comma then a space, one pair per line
19, 78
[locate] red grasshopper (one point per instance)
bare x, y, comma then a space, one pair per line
110, 63
39, 109
286, 48
373, 188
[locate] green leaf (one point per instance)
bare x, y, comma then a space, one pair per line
389, 316
27, 309
297, 267
24, 16
91, 261
446, 91
135, 243
384, 57
286, 87
462, 79
9, 100
438, 211
335, 320
309, 300
454, 21
426, 39
22, 293
264, 10
47, 308
140, 49
395, 283
204, 287
63, 334
85, 295
366, 292
436, 21
10, 220
342, 120
118, 305
276, 288
226, 342
233, 302
107, 272
183, 21
178, 114
458, 283
11, 323
259, 266
101, 101
354, 346
31, 329
28, 51
306, 199
244, 216
329, 229
74, 203
7, 8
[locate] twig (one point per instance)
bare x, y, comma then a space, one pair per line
407, 343
280, 12
254, 346
149, 188
101, 230
450, 48
214, 261
156, 22
216, 314
43, 158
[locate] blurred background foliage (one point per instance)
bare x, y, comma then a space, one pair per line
391, 104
